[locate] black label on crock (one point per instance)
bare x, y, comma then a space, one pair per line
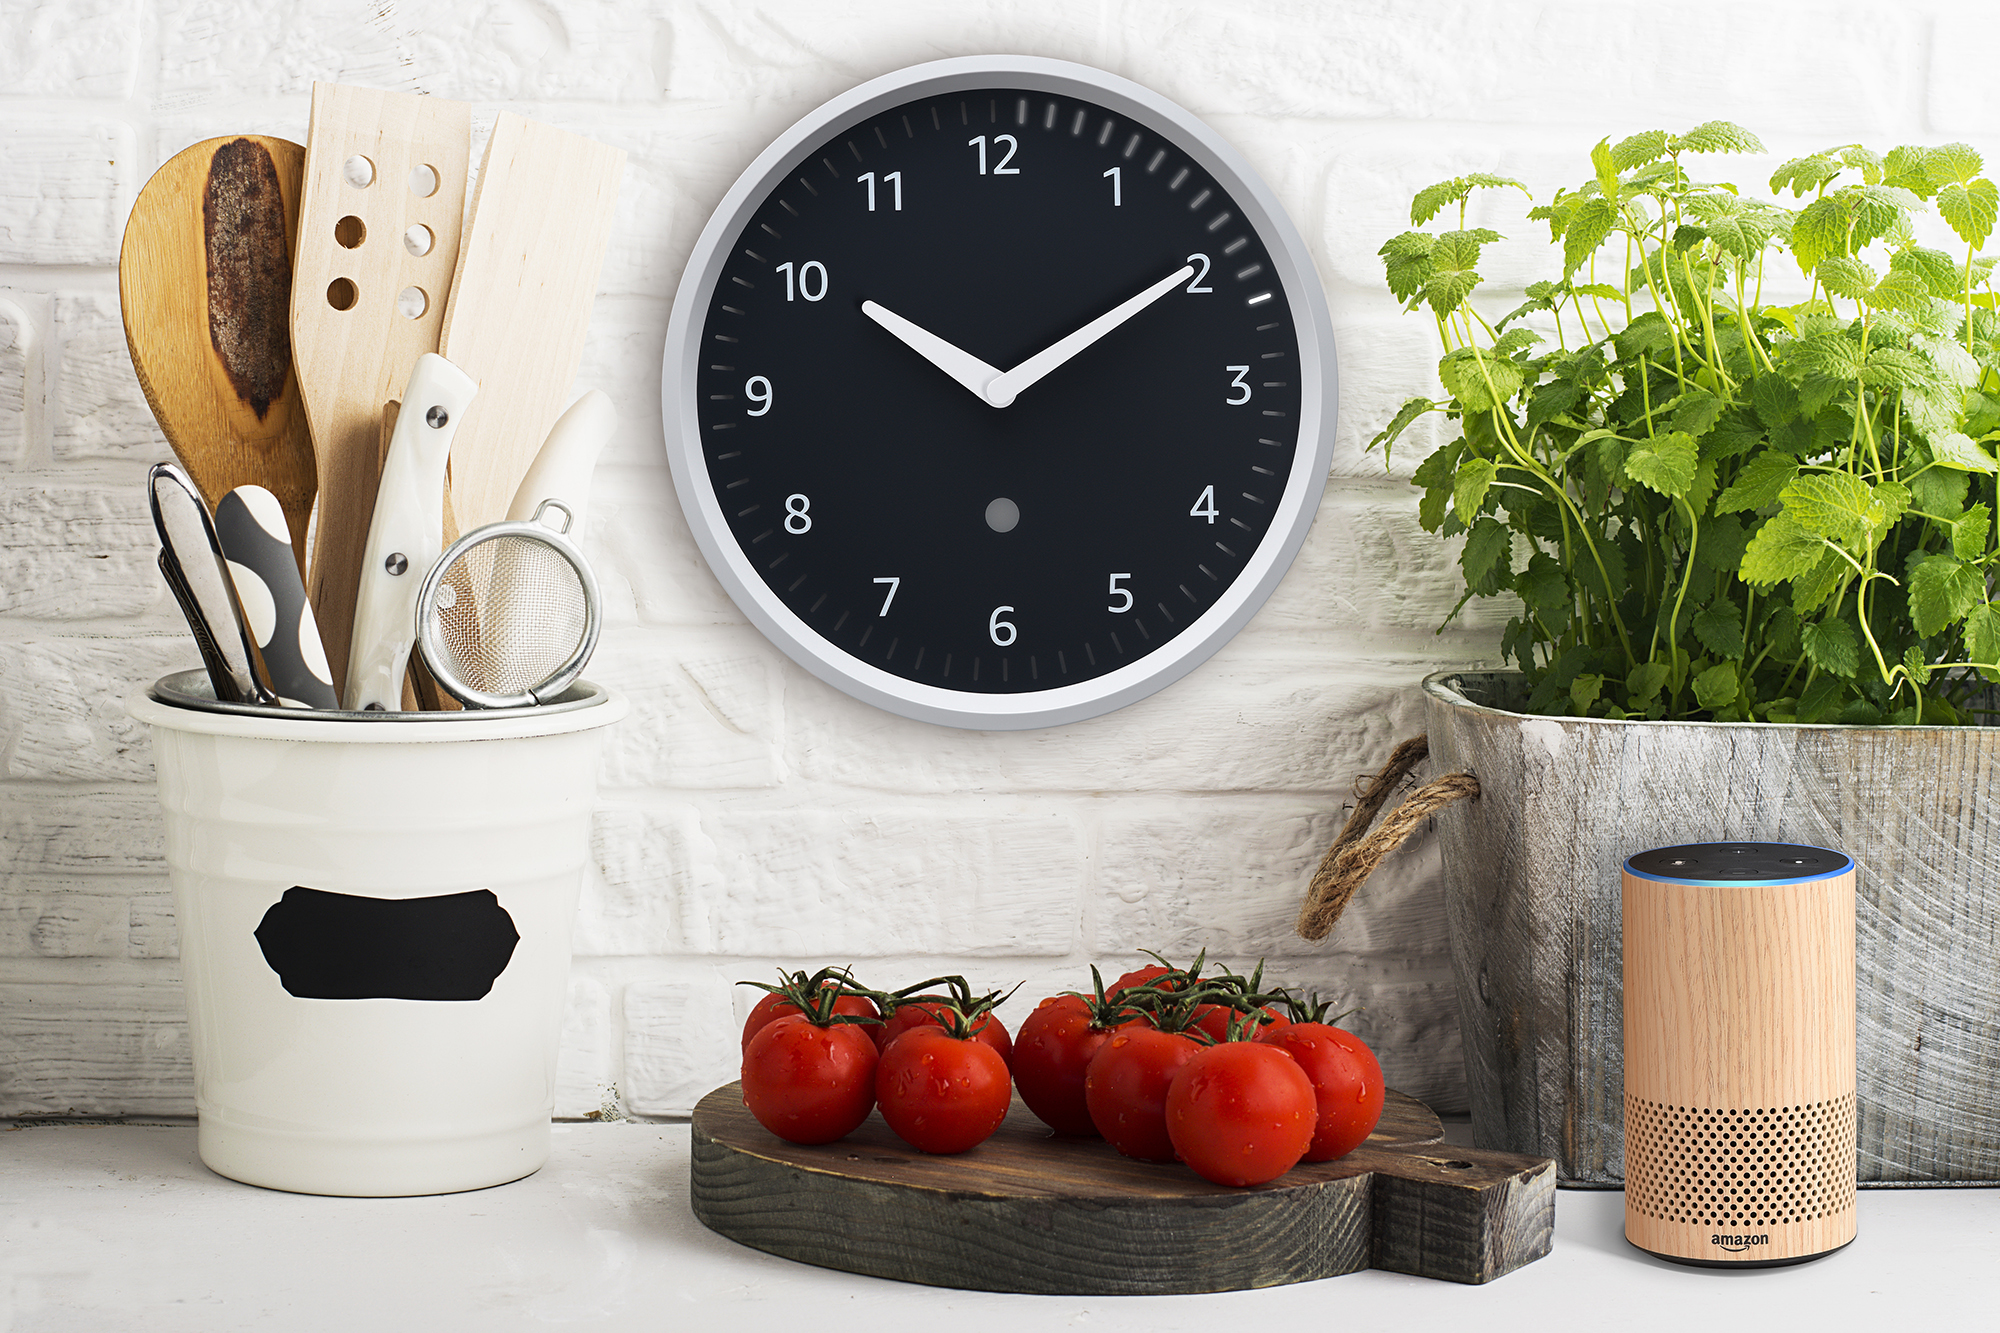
338, 946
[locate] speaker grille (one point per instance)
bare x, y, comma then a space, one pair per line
1703, 1166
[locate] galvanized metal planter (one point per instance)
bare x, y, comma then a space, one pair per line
1532, 896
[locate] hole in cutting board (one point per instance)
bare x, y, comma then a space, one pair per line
341, 294
418, 240
411, 303
350, 231
358, 171
423, 181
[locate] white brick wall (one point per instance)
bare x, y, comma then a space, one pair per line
750, 815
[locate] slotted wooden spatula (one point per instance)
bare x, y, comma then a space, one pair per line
379, 223
520, 302
204, 281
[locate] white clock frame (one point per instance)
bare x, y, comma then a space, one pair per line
1290, 520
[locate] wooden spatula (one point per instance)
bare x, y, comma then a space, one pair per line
205, 280
520, 302
380, 217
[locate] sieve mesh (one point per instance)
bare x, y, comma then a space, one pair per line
510, 612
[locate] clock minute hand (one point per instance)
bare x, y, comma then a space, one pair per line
962, 366
1002, 389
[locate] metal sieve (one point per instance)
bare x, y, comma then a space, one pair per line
509, 615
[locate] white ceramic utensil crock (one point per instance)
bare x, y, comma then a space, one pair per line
375, 922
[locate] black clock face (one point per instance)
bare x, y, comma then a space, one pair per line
849, 422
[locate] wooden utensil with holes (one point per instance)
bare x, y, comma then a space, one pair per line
204, 282
381, 213
520, 301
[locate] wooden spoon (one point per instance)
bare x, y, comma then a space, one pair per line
205, 283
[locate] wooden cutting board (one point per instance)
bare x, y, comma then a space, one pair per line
1029, 1212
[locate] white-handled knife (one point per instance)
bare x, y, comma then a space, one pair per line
561, 471
406, 536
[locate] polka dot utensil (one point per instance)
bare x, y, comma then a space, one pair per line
278, 618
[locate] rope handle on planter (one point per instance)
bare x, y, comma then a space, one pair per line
1356, 852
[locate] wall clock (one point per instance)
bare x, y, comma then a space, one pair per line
999, 392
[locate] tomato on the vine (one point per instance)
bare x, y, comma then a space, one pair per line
1214, 1020
1125, 1089
1052, 1054
1138, 976
1240, 1113
929, 1013
781, 1001
809, 1083
1347, 1084
941, 1093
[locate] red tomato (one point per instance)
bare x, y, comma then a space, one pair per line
1347, 1083
1214, 1020
1138, 976
988, 1029
809, 1084
1050, 1059
942, 1094
773, 1007
1125, 1089
1240, 1113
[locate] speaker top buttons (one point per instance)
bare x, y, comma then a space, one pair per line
1739, 863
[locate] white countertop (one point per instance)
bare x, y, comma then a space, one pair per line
107, 1227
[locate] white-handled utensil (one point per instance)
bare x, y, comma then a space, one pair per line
406, 535
561, 471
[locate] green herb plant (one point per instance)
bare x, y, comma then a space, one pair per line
1707, 506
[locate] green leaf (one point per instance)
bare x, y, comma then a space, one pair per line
1410, 410
1938, 270
1845, 276
1639, 149
1758, 484
1432, 198
1875, 210
1817, 232
1953, 162
1644, 683
1942, 590
1831, 646
1819, 698
1648, 334
1962, 454
1723, 538
1468, 492
1552, 400
1716, 687
1719, 626
1514, 341
1588, 227
1488, 557
1908, 167
1836, 505
1719, 136
1736, 433
1782, 549
1804, 174
1970, 208
1584, 691
1593, 579
1666, 464
1971, 532
1696, 412
1913, 662
1982, 639
1818, 585
1902, 291
1466, 371
1895, 368
1453, 276
1542, 586
1605, 168
1834, 356
1775, 399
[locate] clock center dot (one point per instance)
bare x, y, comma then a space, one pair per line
1002, 515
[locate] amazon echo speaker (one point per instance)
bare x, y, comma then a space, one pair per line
1739, 1053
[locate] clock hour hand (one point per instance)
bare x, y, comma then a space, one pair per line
964, 367
1002, 389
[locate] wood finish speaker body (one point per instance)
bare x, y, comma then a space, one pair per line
1739, 1053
